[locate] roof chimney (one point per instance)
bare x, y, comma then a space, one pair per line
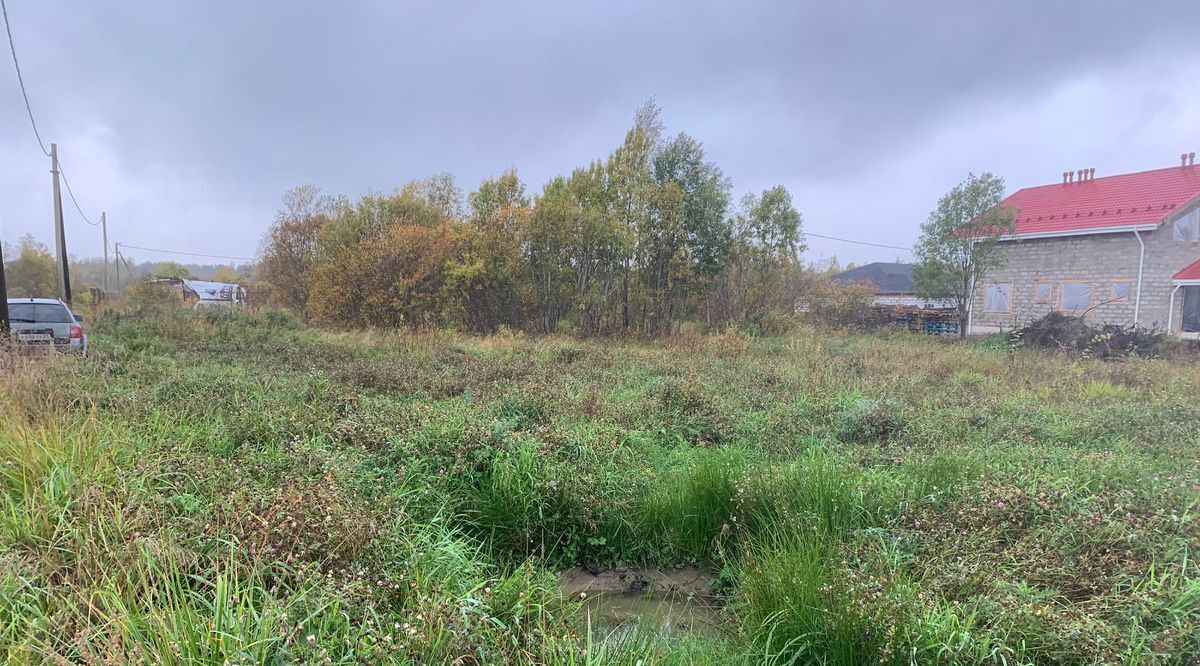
1079, 175
1092, 173
1070, 176
1065, 178
1191, 159
1182, 159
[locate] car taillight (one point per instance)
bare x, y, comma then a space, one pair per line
76, 332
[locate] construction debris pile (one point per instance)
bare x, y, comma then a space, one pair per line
1077, 338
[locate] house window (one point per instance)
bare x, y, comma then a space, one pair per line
1191, 310
1122, 292
1075, 297
996, 297
1187, 228
1042, 292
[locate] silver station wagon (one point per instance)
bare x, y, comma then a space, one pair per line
46, 321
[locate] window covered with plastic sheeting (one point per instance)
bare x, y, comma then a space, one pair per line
1187, 228
1122, 292
1076, 297
996, 297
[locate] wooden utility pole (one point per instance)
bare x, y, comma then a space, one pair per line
60, 236
128, 270
117, 265
104, 230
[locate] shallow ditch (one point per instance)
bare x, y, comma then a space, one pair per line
666, 602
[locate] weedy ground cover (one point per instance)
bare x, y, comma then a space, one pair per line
210, 487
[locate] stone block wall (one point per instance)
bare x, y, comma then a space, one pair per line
1099, 260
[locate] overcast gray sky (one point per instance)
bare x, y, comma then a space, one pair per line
187, 121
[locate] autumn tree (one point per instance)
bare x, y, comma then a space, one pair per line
576, 246
172, 269
960, 242
390, 260
632, 191
547, 250
227, 274
439, 191
394, 279
490, 274
288, 251
687, 236
33, 272
770, 226
760, 276
636, 242
373, 214
599, 242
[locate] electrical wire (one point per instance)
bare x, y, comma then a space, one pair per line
12, 47
63, 172
190, 254
858, 242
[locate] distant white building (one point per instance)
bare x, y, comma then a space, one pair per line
893, 283
203, 294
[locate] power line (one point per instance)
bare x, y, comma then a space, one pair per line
190, 254
63, 173
12, 47
858, 242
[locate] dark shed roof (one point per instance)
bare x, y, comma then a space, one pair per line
888, 277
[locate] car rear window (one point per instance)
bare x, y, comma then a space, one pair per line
39, 313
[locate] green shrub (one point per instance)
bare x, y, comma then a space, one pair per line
520, 505
860, 419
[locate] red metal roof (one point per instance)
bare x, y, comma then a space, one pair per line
1191, 272
1103, 203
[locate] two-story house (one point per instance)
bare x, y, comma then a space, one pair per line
1117, 249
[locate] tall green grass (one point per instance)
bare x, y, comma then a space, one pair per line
795, 608
220, 487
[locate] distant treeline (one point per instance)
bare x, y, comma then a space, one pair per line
31, 271
633, 244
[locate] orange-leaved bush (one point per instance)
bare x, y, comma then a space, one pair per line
391, 280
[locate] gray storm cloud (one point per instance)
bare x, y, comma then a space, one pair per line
170, 116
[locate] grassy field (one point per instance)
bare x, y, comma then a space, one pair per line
239, 489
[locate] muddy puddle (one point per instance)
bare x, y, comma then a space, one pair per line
668, 603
